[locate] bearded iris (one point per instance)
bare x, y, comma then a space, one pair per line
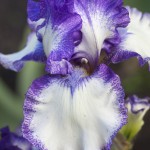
79, 104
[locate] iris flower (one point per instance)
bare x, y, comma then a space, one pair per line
79, 103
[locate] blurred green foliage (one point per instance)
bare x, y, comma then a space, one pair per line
141, 5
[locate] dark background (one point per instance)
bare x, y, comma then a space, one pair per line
13, 25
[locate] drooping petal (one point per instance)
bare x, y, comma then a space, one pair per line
135, 38
76, 112
137, 108
32, 51
100, 19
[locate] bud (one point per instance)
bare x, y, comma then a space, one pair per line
137, 108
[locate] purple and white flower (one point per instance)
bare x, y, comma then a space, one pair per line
79, 104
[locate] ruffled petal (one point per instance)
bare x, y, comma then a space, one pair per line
54, 10
56, 31
32, 51
135, 38
76, 112
38, 9
100, 19
59, 44
137, 108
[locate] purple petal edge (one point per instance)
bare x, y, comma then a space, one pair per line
102, 72
120, 56
35, 88
108, 74
33, 51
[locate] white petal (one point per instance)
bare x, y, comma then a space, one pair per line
136, 37
100, 18
32, 51
74, 113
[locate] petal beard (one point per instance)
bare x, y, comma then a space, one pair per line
74, 112
100, 19
135, 38
32, 51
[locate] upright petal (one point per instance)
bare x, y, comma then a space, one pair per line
38, 9
58, 41
135, 38
55, 31
32, 51
76, 112
47, 10
100, 19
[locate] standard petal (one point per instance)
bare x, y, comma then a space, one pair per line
56, 31
135, 38
47, 10
74, 112
100, 19
59, 44
32, 51
38, 9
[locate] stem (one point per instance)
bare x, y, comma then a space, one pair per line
120, 143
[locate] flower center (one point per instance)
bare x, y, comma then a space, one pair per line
84, 61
